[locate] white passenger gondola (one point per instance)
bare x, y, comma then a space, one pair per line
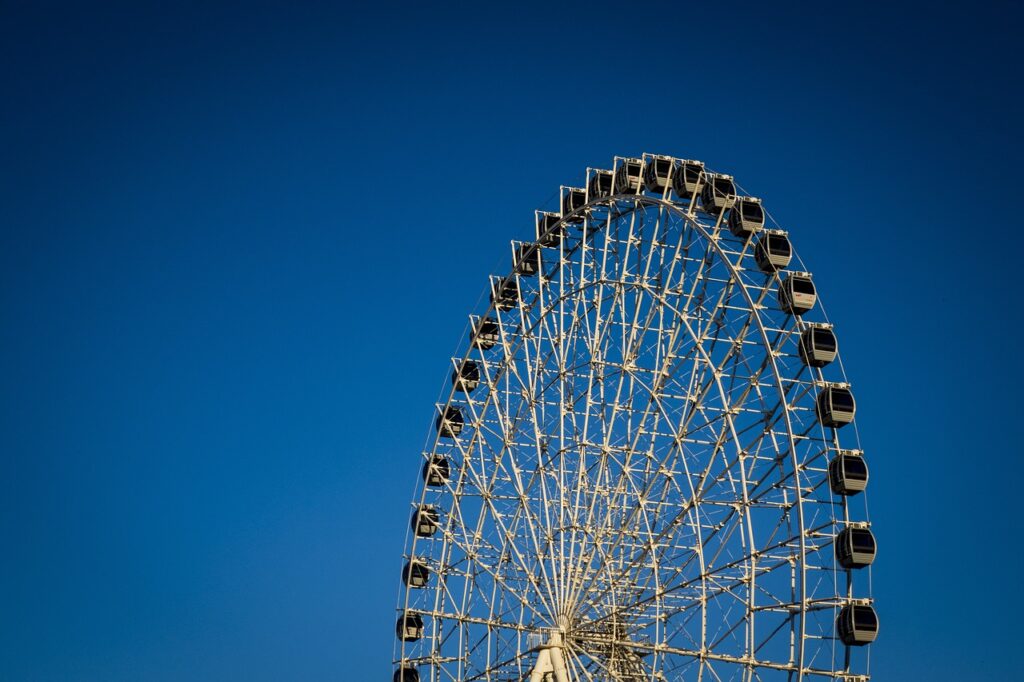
486, 333
436, 471
415, 573
718, 193
658, 174
549, 232
406, 674
449, 422
505, 293
688, 179
466, 378
425, 521
836, 406
848, 473
627, 176
746, 217
797, 294
601, 184
855, 547
857, 625
773, 251
409, 627
527, 257
573, 198
818, 345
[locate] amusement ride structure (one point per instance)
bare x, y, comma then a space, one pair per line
643, 467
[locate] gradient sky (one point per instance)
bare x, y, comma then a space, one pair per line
238, 246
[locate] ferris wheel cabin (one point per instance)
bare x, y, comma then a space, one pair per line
627, 176
855, 547
746, 217
848, 473
773, 251
797, 294
450, 422
425, 521
409, 627
436, 471
505, 293
718, 194
406, 674
527, 259
572, 199
415, 573
688, 179
818, 345
857, 625
486, 333
466, 378
549, 232
601, 183
836, 406
658, 174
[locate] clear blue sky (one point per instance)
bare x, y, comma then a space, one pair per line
238, 245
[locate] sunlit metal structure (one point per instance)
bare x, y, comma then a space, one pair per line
636, 470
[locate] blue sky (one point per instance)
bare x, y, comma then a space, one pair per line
238, 246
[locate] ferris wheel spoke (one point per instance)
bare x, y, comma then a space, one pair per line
648, 411
642, 421
676, 587
533, 522
508, 530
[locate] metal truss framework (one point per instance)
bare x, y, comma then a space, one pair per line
641, 475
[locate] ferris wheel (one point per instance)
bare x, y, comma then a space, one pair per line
639, 470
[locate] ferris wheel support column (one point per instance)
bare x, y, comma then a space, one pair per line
550, 659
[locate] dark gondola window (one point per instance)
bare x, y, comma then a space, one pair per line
824, 340
724, 187
779, 245
752, 211
863, 542
842, 400
803, 286
865, 618
854, 468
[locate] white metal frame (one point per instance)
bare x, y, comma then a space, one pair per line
640, 489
